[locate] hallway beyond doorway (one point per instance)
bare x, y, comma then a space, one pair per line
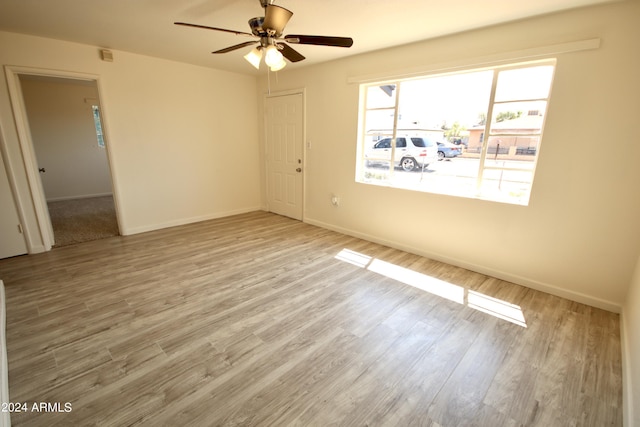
82, 220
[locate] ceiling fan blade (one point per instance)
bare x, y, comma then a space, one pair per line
290, 53
319, 40
231, 48
275, 19
186, 24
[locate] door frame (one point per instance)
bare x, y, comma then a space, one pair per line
8, 172
303, 93
30, 164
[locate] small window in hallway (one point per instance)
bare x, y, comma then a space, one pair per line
98, 124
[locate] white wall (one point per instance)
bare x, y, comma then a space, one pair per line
579, 237
631, 351
183, 140
64, 137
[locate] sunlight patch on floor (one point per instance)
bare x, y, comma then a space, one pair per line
418, 280
355, 258
495, 307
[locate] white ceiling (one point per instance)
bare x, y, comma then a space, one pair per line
146, 26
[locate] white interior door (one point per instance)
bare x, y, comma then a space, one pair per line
12, 241
285, 146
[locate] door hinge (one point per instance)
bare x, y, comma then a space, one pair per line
20, 228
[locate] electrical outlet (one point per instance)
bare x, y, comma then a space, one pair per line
335, 200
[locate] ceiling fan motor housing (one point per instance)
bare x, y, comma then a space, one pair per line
256, 25
265, 3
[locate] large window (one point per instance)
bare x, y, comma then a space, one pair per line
470, 134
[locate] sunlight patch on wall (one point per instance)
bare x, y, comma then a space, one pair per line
495, 307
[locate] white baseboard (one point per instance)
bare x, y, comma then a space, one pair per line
82, 196
126, 231
509, 277
5, 419
36, 249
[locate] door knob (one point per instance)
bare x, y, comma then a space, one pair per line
299, 170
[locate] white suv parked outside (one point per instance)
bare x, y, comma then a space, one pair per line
411, 152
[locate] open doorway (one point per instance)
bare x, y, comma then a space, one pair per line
66, 133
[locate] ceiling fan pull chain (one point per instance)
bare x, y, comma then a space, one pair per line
268, 81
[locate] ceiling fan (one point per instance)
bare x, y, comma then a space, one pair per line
267, 32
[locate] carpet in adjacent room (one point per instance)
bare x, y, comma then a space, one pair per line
82, 220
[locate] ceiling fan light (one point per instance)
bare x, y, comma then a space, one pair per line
279, 66
275, 19
254, 57
273, 57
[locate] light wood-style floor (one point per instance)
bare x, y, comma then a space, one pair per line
257, 319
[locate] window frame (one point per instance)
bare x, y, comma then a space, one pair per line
486, 135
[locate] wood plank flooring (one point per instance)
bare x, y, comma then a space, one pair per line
259, 320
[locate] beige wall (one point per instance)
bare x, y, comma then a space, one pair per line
64, 137
183, 140
579, 236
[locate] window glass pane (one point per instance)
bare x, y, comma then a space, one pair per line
98, 125
444, 110
508, 168
378, 150
376, 171
457, 176
379, 123
383, 96
518, 117
452, 103
521, 148
524, 83
506, 185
